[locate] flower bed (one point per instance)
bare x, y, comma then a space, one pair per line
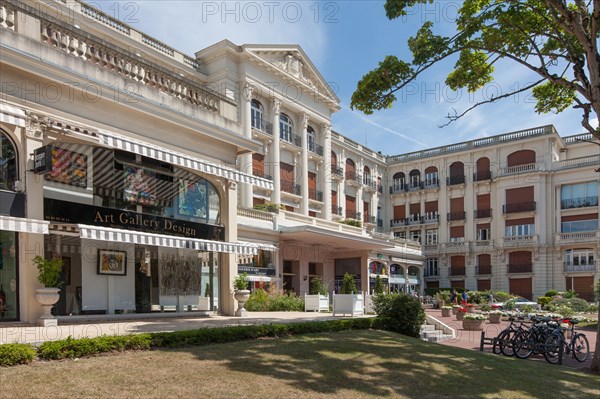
473, 322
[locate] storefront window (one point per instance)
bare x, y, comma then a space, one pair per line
9, 303
8, 163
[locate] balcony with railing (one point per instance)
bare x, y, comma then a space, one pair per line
315, 195
455, 180
520, 241
260, 173
431, 273
337, 172
483, 213
456, 246
336, 210
579, 202
431, 184
415, 219
590, 160
398, 222
430, 248
483, 176
370, 219
289, 136
398, 188
582, 237
380, 223
415, 186
457, 271
353, 177
262, 125
483, 269
369, 184
454, 216
352, 215
519, 268
431, 218
586, 267
519, 169
315, 148
519, 207
290, 187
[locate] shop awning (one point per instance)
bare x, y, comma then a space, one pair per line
23, 225
265, 279
13, 115
161, 240
113, 140
260, 245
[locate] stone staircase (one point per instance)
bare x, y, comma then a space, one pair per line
435, 331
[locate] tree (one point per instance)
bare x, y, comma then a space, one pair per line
378, 285
349, 285
595, 366
556, 39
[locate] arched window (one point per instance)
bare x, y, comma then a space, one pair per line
522, 157
457, 173
8, 163
483, 170
399, 181
285, 128
350, 169
310, 138
415, 178
431, 176
256, 113
333, 160
366, 175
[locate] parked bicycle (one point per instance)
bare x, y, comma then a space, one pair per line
504, 341
577, 345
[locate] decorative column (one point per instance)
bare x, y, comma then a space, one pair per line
304, 166
276, 196
246, 159
342, 191
327, 172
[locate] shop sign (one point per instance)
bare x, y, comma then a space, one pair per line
261, 271
42, 160
70, 212
397, 280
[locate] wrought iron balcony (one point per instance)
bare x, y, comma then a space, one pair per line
396, 189
453, 216
431, 218
336, 210
398, 222
316, 148
586, 267
416, 186
415, 219
519, 268
370, 184
314, 194
431, 183
457, 271
380, 223
483, 213
370, 219
352, 215
483, 269
431, 273
262, 125
579, 202
482, 176
289, 136
336, 171
454, 180
353, 177
519, 207
290, 187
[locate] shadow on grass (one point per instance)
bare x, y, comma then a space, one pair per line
383, 364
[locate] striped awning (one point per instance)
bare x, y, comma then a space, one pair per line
13, 115
161, 240
261, 245
113, 140
265, 279
23, 225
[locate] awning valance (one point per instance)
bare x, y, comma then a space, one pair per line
161, 240
13, 115
265, 279
23, 225
260, 245
113, 140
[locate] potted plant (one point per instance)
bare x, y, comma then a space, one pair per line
460, 313
473, 322
446, 311
241, 293
49, 274
349, 301
494, 316
318, 297
455, 309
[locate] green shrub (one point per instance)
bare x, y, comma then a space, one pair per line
257, 301
400, 313
349, 285
378, 285
73, 348
262, 301
501, 296
575, 304
485, 307
351, 222
551, 293
568, 294
478, 297
317, 287
592, 309
544, 300
274, 208
13, 354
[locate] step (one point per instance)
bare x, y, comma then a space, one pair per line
440, 338
427, 327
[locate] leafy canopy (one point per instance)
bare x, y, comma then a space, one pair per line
556, 39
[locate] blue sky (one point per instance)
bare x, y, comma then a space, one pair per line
345, 39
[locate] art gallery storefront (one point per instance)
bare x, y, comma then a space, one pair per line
137, 234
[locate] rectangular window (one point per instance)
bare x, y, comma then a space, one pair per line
483, 232
431, 236
400, 234
431, 179
519, 230
431, 267
579, 226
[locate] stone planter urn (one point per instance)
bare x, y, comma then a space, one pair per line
473, 325
446, 312
47, 297
242, 297
460, 315
494, 318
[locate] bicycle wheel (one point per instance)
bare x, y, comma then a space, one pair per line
498, 342
552, 348
523, 345
507, 343
580, 347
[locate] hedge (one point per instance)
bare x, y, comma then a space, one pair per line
12, 354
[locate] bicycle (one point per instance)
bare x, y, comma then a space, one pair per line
532, 342
578, 345
504, 341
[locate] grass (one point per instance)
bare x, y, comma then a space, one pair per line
349, 364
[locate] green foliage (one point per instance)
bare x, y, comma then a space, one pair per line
317, 287
400, 313
557, 43
349, 285
443, 295
551, 293
262, 301
241, 281
49, 271
478, 297
74, 348
544, 301
575, 304
13, 354
351, 222
207, 290
378, 285
273, 208
485, 307
501, 296
569, 294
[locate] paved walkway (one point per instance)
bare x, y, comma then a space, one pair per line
471, 339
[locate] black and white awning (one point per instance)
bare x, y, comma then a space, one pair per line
23, 225
12, 115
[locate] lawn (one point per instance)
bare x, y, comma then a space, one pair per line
350, 364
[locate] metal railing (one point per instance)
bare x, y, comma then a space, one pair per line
353, 176
398, 222
314, 194
457, 271
262, 125
431, 183
397, 189
337, 171
352, 215
483, 269
519, 207
290, 187
454, 180
369, 183
289, 136
336, 210
315, 148
571, 267
482, 176
483, 213
519, 268
370, 219
453, 216
579, 202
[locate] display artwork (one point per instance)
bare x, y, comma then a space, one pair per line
193, 199
140, 186
180, 275
112, 262
68, 167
